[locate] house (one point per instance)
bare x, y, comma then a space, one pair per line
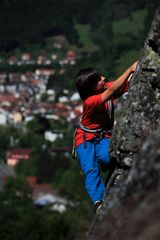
5, 172
43, 195
40, 190
29, 75
12, 60
14, 77
41, 108
16, 155
3, 116
3, 77
7, 98
25, 57
41, 59
59, 41
10, 88
45, 71
51, 136
16, 117
70, 55
54, 57
75, 97
63, 99
2, 88
61, 110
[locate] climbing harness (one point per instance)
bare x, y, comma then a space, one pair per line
74, 152
99, 132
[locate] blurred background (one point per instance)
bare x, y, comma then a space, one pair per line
43, 44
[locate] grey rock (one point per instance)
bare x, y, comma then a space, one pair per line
131, 211
141, 114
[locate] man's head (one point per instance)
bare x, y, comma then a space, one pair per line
86, 81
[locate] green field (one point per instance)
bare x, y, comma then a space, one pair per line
134, 23
85, 38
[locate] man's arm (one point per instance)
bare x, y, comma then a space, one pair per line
116, 85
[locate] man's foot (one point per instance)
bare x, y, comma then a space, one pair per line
98, 205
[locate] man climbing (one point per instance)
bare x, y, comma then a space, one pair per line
92, 137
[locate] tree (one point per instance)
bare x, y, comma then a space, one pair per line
20, 219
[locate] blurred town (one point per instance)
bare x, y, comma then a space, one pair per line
23, 96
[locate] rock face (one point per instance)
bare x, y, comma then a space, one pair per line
141, 115
131, 212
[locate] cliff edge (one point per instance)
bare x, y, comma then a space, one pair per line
131, 212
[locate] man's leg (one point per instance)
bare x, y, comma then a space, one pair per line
102, 153
90, 167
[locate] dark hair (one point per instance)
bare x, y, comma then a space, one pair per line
85, 81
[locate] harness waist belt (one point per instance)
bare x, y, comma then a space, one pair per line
90, 130
98, 130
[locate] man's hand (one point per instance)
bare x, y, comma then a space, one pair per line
133, 67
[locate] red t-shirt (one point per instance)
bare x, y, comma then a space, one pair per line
97, 114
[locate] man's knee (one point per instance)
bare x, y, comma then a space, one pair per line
105, 158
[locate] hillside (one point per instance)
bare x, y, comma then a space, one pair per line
109, 34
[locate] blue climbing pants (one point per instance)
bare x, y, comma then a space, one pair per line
95, 152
